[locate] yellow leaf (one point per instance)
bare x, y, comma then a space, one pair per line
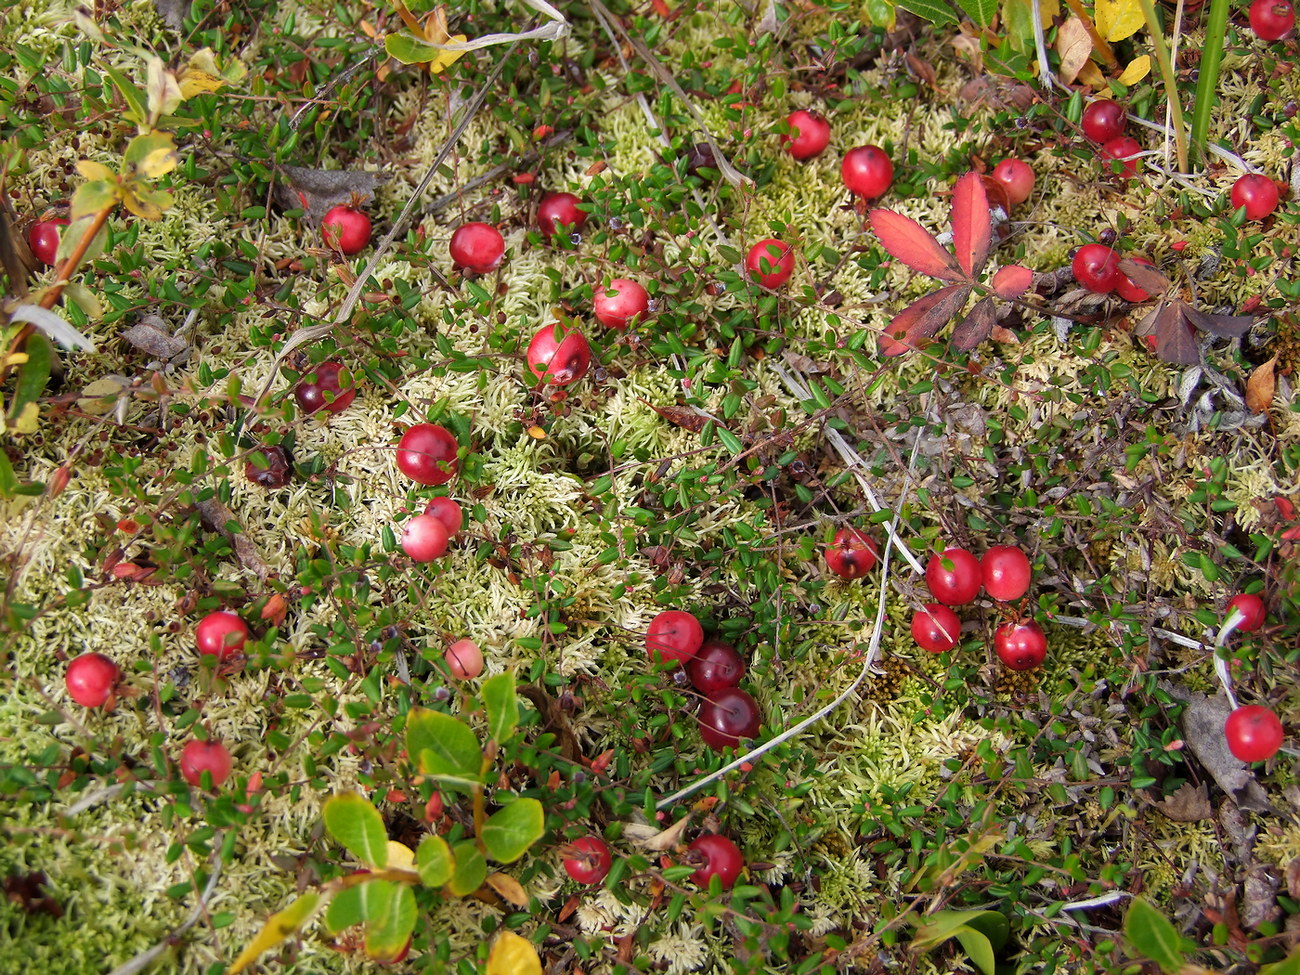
147, 204
436, 32
509, 888
400, 856
278, 927
1118, 19
202, 75
1075, 46
150, 156
1137, 69
29, 420
94, 170
1091, 76
13, 359
163, 91
513, 955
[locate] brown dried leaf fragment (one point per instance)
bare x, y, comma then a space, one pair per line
1261, 387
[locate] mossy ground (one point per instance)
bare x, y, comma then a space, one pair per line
1081, 448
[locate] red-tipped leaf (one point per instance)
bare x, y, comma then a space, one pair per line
1012, 280
972, 228
922, 318
909, 242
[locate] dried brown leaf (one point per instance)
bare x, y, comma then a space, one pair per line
218, 517
151, 335
681, 416
656, 840
509, 888
1222, 326
1190, 804
1261, 387
1074, 46
317, 190
976, 326
1202, 723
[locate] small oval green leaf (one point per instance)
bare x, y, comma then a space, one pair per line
355, 823
509, 832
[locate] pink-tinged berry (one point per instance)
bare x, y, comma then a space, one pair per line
1016, 178
448, 512
809, 135
1271, 19
43, 239
424, 538
674, 636
464, 659
936, 628
221, 634
1096, 267
954, 577
1006, 572
198, 757
558, 354
1120, 155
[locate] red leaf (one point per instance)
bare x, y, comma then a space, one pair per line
1012, 280
922, 318
972, 228
915, 246
975, 327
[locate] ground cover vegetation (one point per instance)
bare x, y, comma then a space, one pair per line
804, 487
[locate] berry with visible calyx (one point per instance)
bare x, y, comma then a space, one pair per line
329, 386
936, 628
424, 538
1257, 193
1121, 151
1271, 19
209, 756
464, 659
621, 303
558, 354
427, 454
674, 636
1096, 267
867, 171
590, 860
448, 512
275, 473
43, 239
1016, 178
954, 577
809, 134
559, 210
715, 666
221, 634
91, 679
1006, 572
721, 858
1254, 733
1104, 120
727, 716
1252, 610
1129, 291
770, 262
852, 554
345, 229
477, 247
1021, 646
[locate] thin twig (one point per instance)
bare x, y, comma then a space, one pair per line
147, 957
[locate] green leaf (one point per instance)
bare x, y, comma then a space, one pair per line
34, 374
347, 908
444, 748
388, 931
981, 12
91, 197
150, 156
944, 925
977, 948
408, 50
1290, 965
471, 869
355, 823
934, 11
502, 706
136, 109
8, 479
433, 861
1153, 936
278, 927
509, 832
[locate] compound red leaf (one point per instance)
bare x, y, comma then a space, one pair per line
972, 228
1012, 280
975, 327
922, 318
909, 242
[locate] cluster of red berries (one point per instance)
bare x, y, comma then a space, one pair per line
587, 860
727, 714
1096, 267
1104, 122
1253, 732
955, 578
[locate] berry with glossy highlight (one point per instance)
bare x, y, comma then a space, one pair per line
477, 247
43, 239
1271, 19
1016, 178
621, 303
427, 454
867, 171
1257, 193
345, 229
91, 678
809, 134
1251, 608
1120, 150
1096, 267
559, 210
673, 636
209, 756
715, 666
728, 716
1254, 733
558, 354
770, 262
424, 538
329, 386
936, 628
464, 659
1021, 646
221, 634
1104, 120
954, 577
1006, 572
590, 861
448, 512
852, 554
721, 858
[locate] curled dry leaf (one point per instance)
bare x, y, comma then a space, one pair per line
656, 840
317, 190
508, 888
1189, 804
1262, 386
